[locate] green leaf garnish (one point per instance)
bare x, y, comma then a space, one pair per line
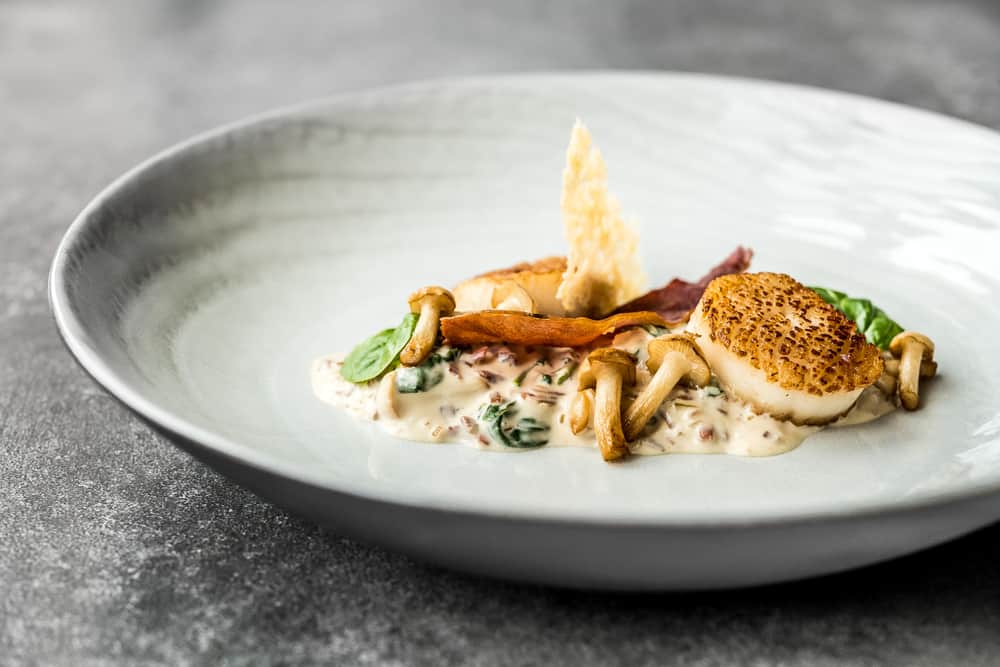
878, 328
379, 354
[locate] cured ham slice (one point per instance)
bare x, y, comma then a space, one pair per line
516, 328
675, 301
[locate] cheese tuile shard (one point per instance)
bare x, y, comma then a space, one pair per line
603, 267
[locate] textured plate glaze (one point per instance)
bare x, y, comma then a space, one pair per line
198, 288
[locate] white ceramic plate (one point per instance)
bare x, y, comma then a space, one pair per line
199, 287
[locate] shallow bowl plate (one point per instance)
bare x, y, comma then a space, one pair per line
198, 288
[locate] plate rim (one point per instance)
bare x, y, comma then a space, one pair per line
73, 333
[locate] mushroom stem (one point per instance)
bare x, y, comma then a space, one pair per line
887, 384
580, 410
909, 374
928, 368
672, 358
385, 397
424, 335
646, 403
607, 416
912, 348
605, 371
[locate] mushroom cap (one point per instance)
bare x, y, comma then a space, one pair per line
603, 358
900, 340
439, 295
682, 344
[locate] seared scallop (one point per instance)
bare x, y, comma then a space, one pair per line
528, 287
775, 344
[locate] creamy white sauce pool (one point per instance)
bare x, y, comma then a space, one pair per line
447, 399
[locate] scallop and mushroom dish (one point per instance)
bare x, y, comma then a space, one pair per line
573, 350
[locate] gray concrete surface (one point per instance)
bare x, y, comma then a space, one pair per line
116, 548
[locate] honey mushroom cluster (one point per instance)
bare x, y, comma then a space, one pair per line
914, 359
672, 359
607, 371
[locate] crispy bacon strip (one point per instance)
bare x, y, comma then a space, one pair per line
506, 326
675, 301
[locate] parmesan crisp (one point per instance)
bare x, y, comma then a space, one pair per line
603, 268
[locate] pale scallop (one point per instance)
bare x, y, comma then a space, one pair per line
528, 287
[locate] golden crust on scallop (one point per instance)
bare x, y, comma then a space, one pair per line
786, 330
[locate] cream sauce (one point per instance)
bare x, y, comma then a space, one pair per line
531, 390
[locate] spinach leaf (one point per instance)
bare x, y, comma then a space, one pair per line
832, 297
378, 354
878, 328
526, 433
882, 330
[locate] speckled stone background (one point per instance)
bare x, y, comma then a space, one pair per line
116, 548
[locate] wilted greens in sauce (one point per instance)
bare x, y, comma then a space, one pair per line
527, 432
566, 372
426, 376
415, 379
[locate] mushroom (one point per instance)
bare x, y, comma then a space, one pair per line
609, 369
928, 367
887, 384
386, 395
580, 410
672, 358
431, 303
912, 348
